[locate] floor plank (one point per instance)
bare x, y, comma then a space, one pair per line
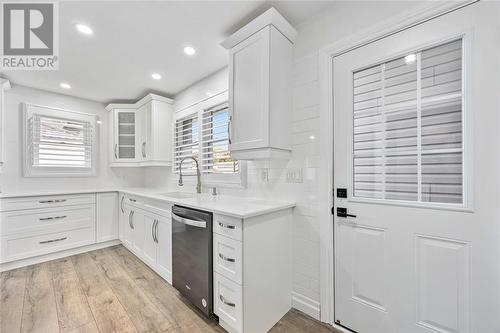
143, 313
109, 314
72, 308
12, 287
162, 294
108, 290
39, 310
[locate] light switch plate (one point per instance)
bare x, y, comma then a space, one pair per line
294, 175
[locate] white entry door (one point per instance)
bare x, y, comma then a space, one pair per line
417, 146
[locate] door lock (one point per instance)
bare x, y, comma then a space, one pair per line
342, 212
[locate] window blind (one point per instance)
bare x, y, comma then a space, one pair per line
408, 127
57, 142
186, 142
215, 154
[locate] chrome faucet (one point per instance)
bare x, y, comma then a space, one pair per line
198, 173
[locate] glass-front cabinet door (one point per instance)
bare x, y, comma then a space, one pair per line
125, 135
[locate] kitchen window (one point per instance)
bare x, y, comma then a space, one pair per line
204, 134
408, 128
58, 142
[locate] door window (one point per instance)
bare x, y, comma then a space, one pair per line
408, 127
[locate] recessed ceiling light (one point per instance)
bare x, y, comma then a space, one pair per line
65, 86
411, 58
156, 76
189, 50
84, 29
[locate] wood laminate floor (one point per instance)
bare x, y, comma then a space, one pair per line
107, 290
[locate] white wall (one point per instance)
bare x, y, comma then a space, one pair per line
12, 180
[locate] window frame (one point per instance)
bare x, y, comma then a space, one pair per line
238, 179
467, 204
31, 171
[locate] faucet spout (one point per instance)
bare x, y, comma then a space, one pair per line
198, 173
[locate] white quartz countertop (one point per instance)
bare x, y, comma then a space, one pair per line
241, 207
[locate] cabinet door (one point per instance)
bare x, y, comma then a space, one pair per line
125, 148
125, 226
144, 123
137, 232
249, 92
149, 243
107, 219
164, 248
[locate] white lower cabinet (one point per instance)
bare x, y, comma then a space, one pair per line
228, 303
146, 230
107, 216
252, 271
36, 226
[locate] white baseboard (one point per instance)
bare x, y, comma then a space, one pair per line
306, 305
56, 255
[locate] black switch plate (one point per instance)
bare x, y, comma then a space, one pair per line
341, 193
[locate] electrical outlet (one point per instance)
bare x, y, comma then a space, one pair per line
294, 175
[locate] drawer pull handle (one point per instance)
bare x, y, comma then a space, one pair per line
223, 300
223, 257
53, 240
227, 226
52, 201
133, 200
53, 218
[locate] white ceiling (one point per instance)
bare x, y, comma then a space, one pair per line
131, 40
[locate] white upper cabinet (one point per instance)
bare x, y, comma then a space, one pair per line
4, 85
260, 65
141, 133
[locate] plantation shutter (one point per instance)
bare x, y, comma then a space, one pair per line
215, 141
57, 142
408, 127
186, 143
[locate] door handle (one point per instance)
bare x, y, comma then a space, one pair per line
156, 230
130, 219
116, 146
223, 257
144, 149
342, 212
121, 205
229, 129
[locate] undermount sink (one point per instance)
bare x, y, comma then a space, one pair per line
178, 195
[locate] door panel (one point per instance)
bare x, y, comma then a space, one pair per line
149, 244
410, 265
164, 255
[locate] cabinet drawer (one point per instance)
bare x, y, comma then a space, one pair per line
9, 204
228, 226
46, 220
15, 248
228, 258
228, 302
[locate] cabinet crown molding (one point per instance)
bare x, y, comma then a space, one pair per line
139, 103
269, 17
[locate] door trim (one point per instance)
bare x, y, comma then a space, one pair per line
385, 29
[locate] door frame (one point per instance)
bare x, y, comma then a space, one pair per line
397, 24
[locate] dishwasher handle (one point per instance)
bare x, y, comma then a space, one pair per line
194, 223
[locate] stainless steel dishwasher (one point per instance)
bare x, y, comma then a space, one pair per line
192, 272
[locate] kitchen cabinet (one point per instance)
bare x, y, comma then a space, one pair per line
260, 65
146, 230
243, 249
4, 86
107, 216
141, 133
